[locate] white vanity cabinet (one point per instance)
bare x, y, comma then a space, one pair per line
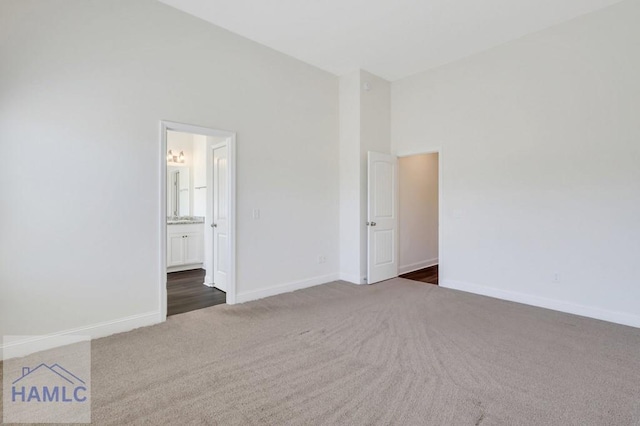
185, 246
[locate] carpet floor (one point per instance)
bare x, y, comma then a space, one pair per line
397, 352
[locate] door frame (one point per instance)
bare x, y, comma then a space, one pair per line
166, 126
433, 150
210, 244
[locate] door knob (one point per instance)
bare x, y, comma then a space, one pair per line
214, 225
373, 224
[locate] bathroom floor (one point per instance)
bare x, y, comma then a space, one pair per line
185, 292
427, 275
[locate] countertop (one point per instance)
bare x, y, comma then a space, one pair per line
184, 220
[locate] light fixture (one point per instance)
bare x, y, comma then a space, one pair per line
172, 157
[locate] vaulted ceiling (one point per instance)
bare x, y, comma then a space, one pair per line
390, 38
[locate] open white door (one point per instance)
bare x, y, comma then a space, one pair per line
382, 224
221, 216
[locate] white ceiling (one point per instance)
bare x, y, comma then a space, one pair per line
390, 38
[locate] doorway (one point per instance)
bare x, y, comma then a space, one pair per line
418, 211
197, 218
403, 216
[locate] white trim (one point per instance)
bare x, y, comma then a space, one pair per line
181, 268
231, 140
284, 288
417, 266
543, 302
233, 290
432, 150
102, 329
162, 301
198, 130
230, 144
351, 278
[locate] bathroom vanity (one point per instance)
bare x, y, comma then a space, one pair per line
185, 243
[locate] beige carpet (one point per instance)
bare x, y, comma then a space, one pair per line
398, 352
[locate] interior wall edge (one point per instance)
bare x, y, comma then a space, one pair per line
24, 347
616, 317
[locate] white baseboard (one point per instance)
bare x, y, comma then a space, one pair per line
542, 302
351, 278
284, 288
208, 281
33, 344
417, 266
185, 267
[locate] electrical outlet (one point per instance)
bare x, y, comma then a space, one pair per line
256, 214
556, 277
322, 259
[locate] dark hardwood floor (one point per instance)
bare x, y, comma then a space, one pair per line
185, 292
427, 275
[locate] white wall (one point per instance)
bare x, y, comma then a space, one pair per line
84, 86
540, 155
365, 125
199, 150
418, 212
375, 135
350, 185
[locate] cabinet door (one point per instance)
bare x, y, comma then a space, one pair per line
193, 248
175, 249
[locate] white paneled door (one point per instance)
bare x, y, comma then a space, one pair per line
382, 224
220, 217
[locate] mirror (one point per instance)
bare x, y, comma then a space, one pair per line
178, 191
